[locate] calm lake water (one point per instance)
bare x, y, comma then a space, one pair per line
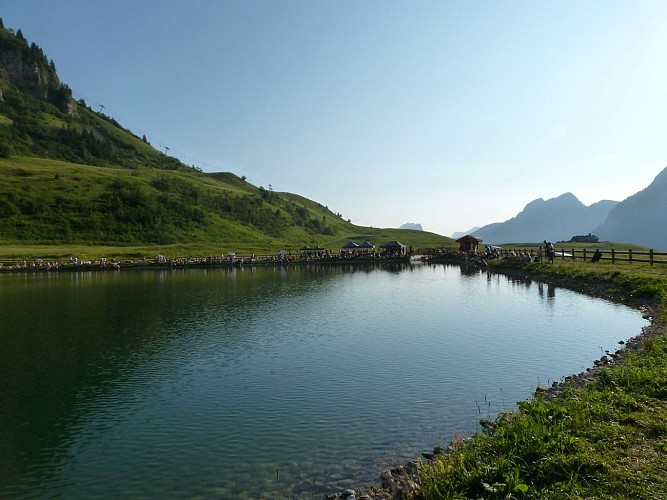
268, 382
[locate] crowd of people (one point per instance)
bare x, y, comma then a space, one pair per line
518, 258
545, 253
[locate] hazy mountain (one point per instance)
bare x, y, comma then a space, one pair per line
412, 225
459, 234
556, 219
641, 218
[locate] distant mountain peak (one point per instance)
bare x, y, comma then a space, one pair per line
638, 219
459, 234
412, 225
554, 219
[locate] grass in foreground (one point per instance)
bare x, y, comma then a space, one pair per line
607, 439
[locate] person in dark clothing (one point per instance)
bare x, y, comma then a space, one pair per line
596, 256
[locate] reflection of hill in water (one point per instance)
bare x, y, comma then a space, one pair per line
68, 338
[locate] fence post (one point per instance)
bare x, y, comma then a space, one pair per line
613, 256
573, 255
650, 252
630, 256
584, 255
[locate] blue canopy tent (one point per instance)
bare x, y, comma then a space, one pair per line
366, 244
350, 244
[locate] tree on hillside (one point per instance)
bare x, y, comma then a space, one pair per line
6, 149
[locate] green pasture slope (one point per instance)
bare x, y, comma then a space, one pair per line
56, 209
606, 439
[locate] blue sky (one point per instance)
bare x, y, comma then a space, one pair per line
451, 114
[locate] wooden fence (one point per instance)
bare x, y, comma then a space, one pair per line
651, 256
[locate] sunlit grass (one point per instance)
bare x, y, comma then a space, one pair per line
54, 209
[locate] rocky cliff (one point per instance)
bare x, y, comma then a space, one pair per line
26, 67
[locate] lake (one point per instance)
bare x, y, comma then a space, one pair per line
269, 382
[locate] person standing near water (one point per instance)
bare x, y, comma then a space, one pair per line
551, 251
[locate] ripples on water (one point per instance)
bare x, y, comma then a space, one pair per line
268, 382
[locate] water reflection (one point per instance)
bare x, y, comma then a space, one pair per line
551, 290
79, 336
544, 290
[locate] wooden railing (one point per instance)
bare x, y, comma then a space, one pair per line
651, 256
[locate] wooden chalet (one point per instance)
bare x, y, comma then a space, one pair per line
469, 243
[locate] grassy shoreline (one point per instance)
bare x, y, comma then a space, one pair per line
606, 438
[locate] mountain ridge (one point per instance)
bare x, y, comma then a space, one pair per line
554, 219
638, 219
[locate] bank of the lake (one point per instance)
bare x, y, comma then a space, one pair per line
598, 434
161, 263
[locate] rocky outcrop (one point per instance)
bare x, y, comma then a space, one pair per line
27, 68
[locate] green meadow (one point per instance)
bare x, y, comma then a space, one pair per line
53, 209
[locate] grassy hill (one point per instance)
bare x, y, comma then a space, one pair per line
50, 202
72, 178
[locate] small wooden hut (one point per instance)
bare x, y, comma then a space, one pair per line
469, 243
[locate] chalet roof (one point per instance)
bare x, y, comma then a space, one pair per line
393, 244
469, 237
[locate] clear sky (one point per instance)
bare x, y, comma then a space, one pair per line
451, 114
